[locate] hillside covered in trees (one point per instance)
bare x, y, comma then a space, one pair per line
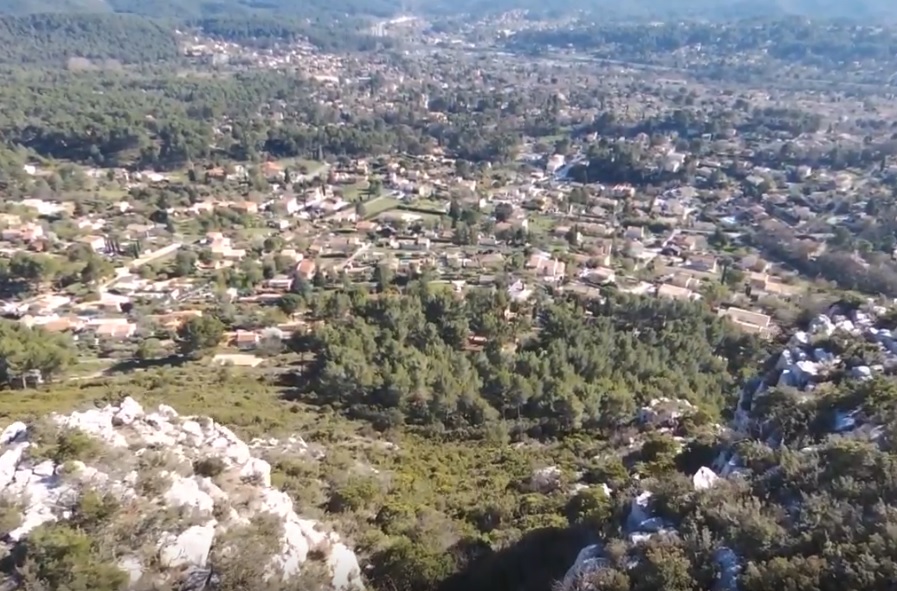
52, 39
186, 9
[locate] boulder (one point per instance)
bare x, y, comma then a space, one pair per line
546, 480
590, 559
128, 412
186, 492
704, 478
639, 511
133, 567
13, 433
194, 430
9, 461
199, 579
45, 469
344, 565
257, 471
191, 547
96, 422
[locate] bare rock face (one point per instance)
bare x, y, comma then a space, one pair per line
230, 489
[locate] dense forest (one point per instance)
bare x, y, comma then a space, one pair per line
411, 360
52, 39
163, 121
787, 40
328, 34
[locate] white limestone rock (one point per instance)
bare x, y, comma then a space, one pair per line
344, 565
193, 429
46, 490
704, 478
133, 567
128, 411
257, 471
9, 462
13, 433
191, 547
96, 422
211, 489
167, 412
186, 492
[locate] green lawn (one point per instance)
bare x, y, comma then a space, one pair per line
354, 191
378, 205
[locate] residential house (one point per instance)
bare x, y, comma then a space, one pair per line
546, 267
517, 291
601, 252
703, 262
306, 269
753, 262
44, 208
599, 275
492, 261
97, 243
366, 226
291, 205
246, 340
27, 232
420, 243
174, 320
754, 322
248, 207
279, 283
116, 330
674, 292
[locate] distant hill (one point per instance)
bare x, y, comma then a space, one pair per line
866, 10
189, 9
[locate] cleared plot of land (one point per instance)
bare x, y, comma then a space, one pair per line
378, 205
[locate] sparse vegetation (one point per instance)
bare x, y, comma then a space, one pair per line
210, 467
62, 445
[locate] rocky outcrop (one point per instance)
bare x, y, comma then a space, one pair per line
151, 459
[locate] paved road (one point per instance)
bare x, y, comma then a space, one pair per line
361, 250
125, 270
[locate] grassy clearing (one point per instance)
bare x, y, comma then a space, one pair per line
379, 205
295, 164
434, 205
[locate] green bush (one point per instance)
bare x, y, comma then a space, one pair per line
64, 445
10, 515
209, 467
356, 495
590, 506
59, 556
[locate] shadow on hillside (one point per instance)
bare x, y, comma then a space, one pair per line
130, 365
534, 563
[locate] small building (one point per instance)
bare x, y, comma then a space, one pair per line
306, 269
